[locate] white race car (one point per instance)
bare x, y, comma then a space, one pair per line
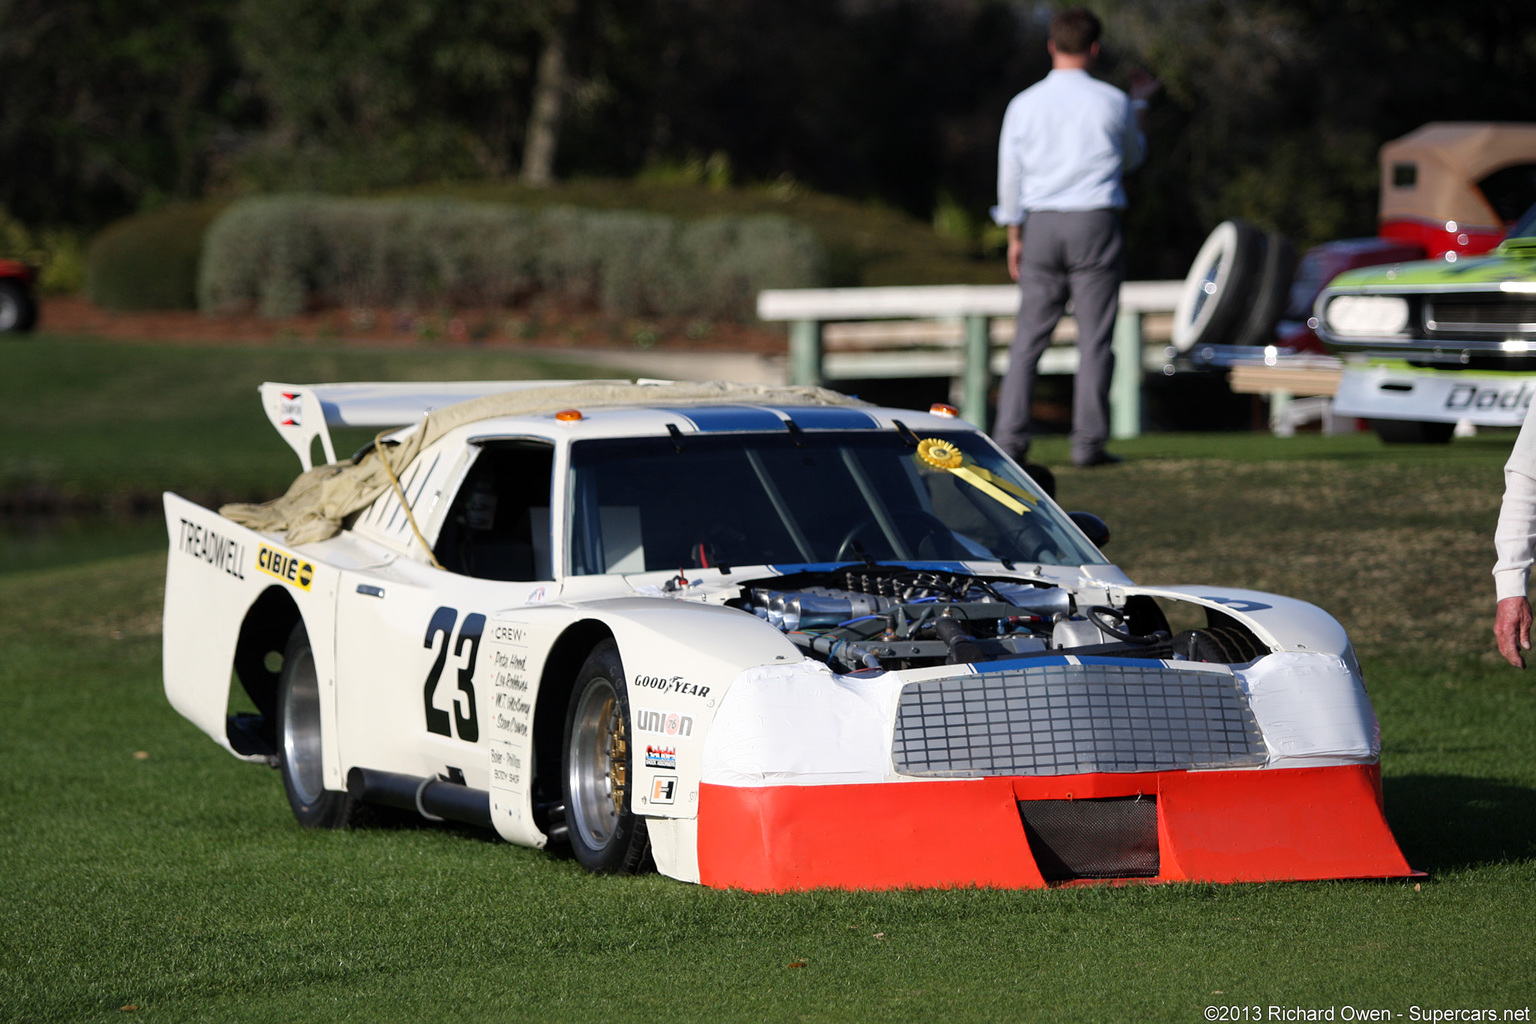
771, 638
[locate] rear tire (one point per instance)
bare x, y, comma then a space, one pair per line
606, 835
300, 753
1413, 431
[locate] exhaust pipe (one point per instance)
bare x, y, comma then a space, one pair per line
433, 799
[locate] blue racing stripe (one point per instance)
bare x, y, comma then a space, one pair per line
821, 417
1014, 664
785, 568
719, 419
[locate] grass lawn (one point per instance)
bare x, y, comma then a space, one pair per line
144, 874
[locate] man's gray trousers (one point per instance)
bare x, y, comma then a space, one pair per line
1076, 255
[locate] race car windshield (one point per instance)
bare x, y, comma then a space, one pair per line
646, 504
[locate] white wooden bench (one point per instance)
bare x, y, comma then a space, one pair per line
961, 332
1300, 389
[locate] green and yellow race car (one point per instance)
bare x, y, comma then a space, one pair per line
1438, 342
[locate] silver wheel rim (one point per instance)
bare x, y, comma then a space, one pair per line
301, 730
10, 312
598, 768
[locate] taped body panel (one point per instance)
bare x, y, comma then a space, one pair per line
1236, 826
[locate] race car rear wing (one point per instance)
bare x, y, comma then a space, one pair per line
303, 412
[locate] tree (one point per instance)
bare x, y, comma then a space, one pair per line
109, 104
550, 85
358, 93
1275, 109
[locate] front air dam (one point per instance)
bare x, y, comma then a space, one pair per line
1255, 825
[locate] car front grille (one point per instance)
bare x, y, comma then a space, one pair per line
1065, 719
1480, 314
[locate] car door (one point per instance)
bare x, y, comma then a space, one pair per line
410, 634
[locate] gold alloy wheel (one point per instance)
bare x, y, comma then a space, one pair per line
599, 765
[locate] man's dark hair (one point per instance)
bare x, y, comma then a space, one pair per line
1074, 31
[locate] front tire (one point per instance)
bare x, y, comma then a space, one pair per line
1413, 431
300, 753
606, 835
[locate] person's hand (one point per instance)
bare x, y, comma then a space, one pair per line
1015, 247
1512, 629
1142, 85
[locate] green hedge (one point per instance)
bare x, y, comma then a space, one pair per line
282, 255
149, 261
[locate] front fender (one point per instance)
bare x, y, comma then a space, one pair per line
679, 659
1284, 623
688, 651
1308, 697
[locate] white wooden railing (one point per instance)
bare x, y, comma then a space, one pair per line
961, 332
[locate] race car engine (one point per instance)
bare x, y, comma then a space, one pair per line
877, 617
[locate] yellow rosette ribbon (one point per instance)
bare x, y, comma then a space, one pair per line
943, 455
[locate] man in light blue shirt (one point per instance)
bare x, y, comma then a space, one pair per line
1065, 143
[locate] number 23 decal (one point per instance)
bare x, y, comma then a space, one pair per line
463, 720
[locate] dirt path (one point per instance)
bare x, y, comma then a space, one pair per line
543, 330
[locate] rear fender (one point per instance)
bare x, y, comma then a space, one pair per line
216, 571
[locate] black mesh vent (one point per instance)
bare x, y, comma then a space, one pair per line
1092, 838
1452, 313
1071, 719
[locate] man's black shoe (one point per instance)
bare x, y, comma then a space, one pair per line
1100, 459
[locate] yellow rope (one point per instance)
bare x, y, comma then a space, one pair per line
379, 449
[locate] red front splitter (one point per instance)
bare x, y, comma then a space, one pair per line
1218, 826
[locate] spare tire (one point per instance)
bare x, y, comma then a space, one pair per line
1218, 286
1270, 293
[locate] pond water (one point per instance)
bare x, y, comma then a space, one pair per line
45, 542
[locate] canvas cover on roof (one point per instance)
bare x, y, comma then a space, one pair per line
316, 502
1451, 158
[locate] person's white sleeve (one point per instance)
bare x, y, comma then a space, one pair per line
1515, 536
1010, 170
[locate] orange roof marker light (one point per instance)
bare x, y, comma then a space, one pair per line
568, 415
944, 409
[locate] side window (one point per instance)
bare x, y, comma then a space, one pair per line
498, 525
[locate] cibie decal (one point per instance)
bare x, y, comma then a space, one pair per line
663, 791
290, 410
660, 757
291, 569
666, 723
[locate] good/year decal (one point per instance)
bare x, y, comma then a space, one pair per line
466, 644
671, 684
